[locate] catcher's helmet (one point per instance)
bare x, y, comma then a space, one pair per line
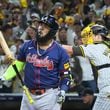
99, 29
87, 33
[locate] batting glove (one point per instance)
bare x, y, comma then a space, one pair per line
61, 97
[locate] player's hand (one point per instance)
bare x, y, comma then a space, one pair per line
61, 97
8, 59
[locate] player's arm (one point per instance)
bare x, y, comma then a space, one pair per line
20, 63
10, 72
65, 80
69, 49
74, 50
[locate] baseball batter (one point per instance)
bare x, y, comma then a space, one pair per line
46, 68
98, 51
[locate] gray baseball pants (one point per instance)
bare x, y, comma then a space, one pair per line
46, 101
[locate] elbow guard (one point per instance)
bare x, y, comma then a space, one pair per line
71, 81
10, 72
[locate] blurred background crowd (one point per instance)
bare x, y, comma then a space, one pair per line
19, 22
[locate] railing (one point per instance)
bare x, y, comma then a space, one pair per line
12, 102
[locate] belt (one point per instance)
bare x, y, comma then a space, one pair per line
37, 91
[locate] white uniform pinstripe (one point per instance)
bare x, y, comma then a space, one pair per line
98, 55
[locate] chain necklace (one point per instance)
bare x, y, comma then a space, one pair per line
38, 48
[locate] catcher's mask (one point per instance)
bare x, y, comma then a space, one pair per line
96, 29
86, 35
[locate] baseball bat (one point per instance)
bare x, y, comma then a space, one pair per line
11, 57
5, 47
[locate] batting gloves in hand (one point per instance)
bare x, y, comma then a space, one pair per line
61, 97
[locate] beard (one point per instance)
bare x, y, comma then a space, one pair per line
42, 40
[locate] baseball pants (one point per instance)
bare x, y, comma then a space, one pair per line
46, 101
103, 100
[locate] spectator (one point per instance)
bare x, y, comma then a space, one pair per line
88, 97
44, 6
58, 12
107, 19
62, 35
97, 7
90, 18
34, 19
17, 87
7, 31
29, 33
7, 85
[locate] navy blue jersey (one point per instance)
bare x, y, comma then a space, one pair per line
44, 71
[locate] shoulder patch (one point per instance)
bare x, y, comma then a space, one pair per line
66, 65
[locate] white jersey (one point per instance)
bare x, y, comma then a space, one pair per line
99, 54
86, 69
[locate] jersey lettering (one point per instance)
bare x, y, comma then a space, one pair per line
40, 62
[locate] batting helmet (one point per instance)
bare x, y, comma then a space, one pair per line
50, 21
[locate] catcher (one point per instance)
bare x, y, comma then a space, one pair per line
97, 49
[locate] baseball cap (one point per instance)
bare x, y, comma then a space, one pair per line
35, 16
58, 4
87, 91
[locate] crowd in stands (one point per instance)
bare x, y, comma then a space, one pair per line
19, 22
